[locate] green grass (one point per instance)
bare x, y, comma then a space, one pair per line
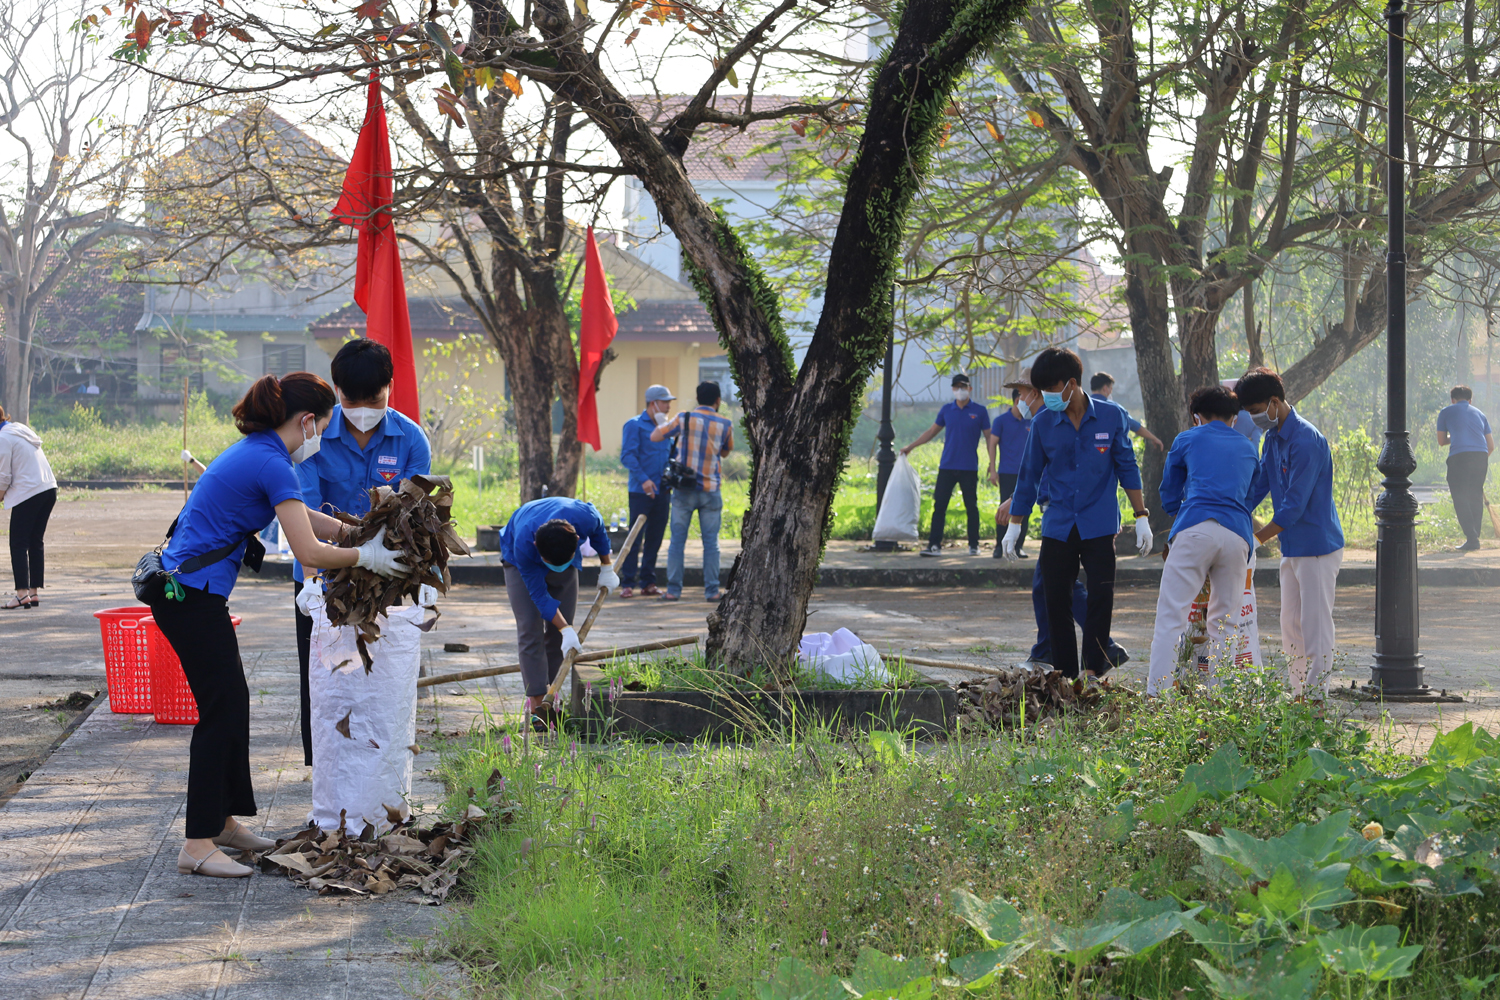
643, 871
691, 672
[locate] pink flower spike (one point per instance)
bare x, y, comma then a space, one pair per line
824, 940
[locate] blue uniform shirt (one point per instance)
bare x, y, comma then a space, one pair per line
518, 548
1208, 476
1079, 470
1131, 424
237, 495
1245, 424
1466, 426
1296, 469
341, 473
1011, 431
644, 459
962, 429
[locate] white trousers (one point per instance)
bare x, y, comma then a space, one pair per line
1206, 550
1307, 584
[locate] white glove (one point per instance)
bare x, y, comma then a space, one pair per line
570, 643
427, 595
187, 456
303, 596
1143, 536
609, 579
1008, 543
375, 557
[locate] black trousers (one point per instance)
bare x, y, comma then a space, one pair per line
304, 651
1059, 562
658, 511
28, 523
1466, 473
967, 480
200, 632
1008, 482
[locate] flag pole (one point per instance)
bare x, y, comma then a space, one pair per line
583, 472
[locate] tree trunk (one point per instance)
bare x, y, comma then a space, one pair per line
1338, 344
1197, 328
1161, 392
18, 333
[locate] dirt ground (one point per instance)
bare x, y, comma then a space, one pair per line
95, 538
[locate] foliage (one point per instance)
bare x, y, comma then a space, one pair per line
83, 446
458, 413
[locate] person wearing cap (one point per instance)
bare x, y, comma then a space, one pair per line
644, 461
1008, 433
1079, 453
963, 423
1102, 388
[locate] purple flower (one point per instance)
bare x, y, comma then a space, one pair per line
505, 743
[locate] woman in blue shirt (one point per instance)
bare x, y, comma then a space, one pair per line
247, 485
1206, 483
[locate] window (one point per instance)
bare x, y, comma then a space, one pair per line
284, 358
717, 370
654, 371
177, 361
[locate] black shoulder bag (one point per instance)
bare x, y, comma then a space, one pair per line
153, 583
677, 474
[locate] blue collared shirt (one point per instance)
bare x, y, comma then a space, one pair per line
1079, 470
1131, 424
1466, 427
518, 548
1296, 469
1010, 432
237, 495
643, 458
342, 473
1209, 473
963, 427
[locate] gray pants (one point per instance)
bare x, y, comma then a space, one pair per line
539, 642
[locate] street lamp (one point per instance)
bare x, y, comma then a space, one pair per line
885, 457
1397, 671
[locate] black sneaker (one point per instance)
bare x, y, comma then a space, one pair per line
1119, 656
932, 550
998, 553
1472, 545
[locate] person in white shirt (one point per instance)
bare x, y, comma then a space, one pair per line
29, 490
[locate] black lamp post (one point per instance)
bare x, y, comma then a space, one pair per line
1397, 670
885, 457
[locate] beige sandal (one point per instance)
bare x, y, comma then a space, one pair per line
189, 865
241, 839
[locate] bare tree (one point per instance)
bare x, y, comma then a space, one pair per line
72, 148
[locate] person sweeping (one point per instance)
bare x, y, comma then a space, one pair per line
282, 421
539, 548
1206, 484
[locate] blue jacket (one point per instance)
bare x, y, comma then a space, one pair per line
1296, 469
1209, 473
1079, 470
518, 549
643, 458
341, 474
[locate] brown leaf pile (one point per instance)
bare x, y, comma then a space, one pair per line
417, 518
341, 864
997, 699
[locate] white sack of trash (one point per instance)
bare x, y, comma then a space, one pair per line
843, 657
363, 725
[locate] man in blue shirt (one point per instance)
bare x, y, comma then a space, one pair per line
1466, 432
1206, 482
366, 444
1102, 387
1079, 451
1296, 469
644, 461
1008, 433
964, 423
539, 548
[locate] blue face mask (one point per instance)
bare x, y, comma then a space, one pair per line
1023, 409
1054, 401
558, 569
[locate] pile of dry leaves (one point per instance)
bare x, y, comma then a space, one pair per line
417, 518
1000, 700
340, 864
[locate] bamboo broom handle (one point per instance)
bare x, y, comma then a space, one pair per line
588, 623
511, 668
951, 665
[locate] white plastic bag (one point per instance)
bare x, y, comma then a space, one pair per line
901, 507
842, 656
369, 771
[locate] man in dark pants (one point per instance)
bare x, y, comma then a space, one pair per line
1080, 453
1466, 432
1008, 432
963, 423
645, 460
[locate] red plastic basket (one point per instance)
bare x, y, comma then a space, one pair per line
171, 698
127, 669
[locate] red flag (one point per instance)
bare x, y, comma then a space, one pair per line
595, 331
379, 288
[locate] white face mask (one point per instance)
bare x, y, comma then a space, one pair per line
308, 448
961, 395
659, 417
364, 418
1023, 409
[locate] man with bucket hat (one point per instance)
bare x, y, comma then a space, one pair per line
644, 462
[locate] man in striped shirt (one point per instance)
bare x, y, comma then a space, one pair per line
706, 437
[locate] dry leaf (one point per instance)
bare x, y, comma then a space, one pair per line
1036, 119
993, 131
343, 725
511, 83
